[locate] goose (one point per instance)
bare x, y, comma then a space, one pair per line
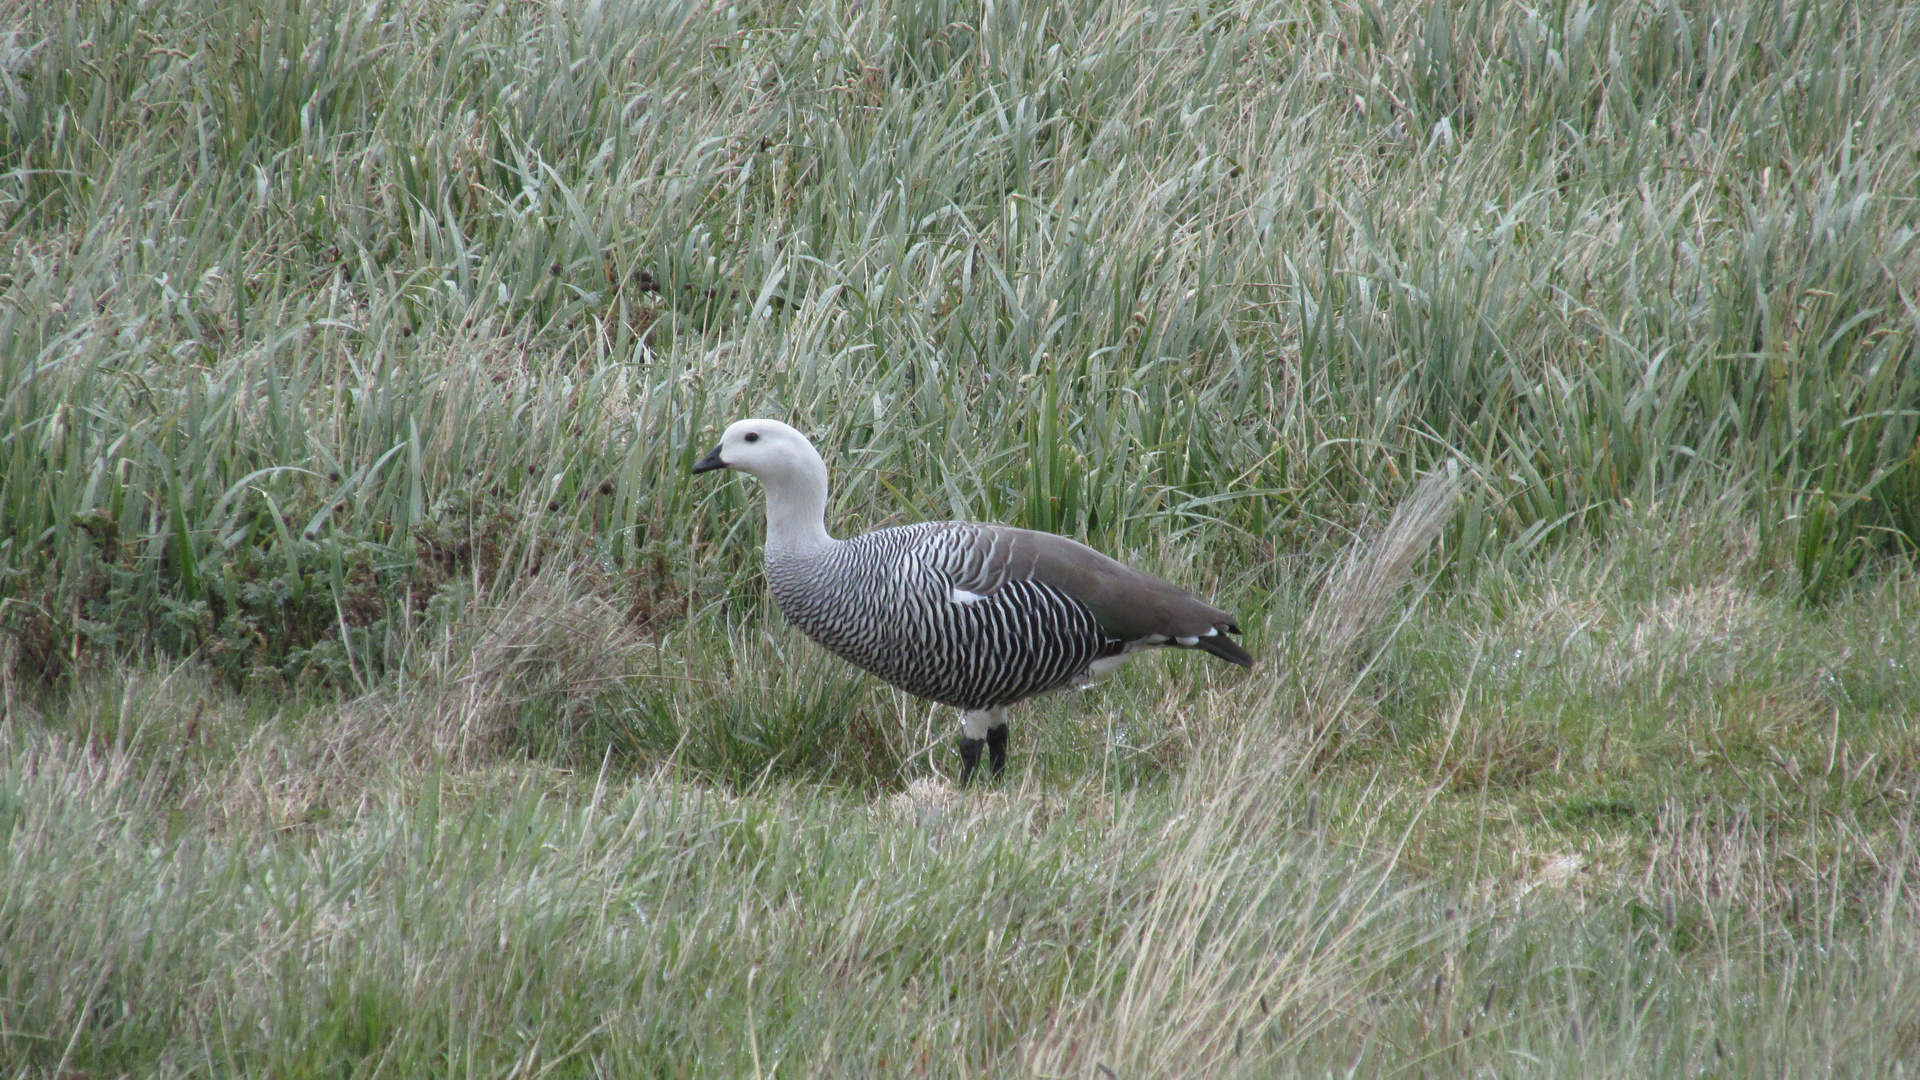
969, 615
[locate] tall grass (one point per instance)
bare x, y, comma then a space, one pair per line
383, 696
317, 274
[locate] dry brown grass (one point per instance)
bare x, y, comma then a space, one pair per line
1343, 632
560, 634
1358, 594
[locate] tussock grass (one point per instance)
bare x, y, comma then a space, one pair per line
383, 697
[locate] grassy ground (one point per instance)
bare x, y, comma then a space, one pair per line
383, 697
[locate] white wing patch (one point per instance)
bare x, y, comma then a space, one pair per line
962, 596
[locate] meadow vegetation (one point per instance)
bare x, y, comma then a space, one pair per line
383, 697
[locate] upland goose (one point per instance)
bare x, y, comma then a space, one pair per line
973, 616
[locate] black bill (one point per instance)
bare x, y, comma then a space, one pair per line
710, 462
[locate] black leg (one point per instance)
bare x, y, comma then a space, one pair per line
970, 757
997, 748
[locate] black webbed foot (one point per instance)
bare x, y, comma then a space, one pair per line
970, 757
997, 749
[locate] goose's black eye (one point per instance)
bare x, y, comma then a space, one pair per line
752, 436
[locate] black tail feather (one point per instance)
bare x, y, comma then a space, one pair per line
1227, 649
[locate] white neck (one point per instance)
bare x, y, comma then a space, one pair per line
797, 508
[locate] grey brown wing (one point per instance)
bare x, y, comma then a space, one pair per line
1130, 605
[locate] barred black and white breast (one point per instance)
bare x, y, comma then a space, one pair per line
901, 603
